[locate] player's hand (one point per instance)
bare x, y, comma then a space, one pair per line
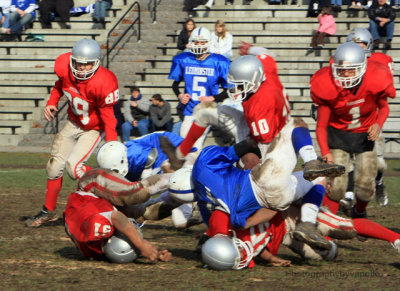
184, 98
164, 255
133, 104
373, 131
244, 48
48, 112
149, 251
328, 158
134, 123
278, 262
206, 99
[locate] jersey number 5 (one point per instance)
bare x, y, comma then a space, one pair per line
197, 88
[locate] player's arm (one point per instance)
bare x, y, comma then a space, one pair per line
383, 113
122, 223
274, 260
183, 97
262, 215
324, 113
52, 103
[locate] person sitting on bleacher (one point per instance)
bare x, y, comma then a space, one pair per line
60, 7
22, 14
99, 15
5, 7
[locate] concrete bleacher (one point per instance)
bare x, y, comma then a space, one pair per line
27, 67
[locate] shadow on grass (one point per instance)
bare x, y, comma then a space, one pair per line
186, 254
70, 253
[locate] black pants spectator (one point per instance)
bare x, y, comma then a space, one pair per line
60, 7
167, 127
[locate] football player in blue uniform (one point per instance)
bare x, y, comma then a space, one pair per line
203, 74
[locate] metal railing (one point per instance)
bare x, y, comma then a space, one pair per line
137, 20
153, 10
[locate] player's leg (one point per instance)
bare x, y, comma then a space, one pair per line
61, 148
313, 167
381, 195
337, 185
364, 180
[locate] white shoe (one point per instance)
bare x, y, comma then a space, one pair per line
396, 245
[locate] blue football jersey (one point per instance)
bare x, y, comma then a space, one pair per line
202, 78
219, 184
139, 149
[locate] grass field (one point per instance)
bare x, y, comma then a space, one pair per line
45, 258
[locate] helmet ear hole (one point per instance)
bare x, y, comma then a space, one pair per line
113, 155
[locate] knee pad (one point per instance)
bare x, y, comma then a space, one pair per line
55, 168
204, 113
339, 184
364, 175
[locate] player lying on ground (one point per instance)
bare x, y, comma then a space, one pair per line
230, 248
91, 223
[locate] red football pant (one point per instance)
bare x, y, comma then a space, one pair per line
52, 191
332, 205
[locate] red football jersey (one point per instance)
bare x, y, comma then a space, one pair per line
383, 59
267, 110
88, 222
90, 101
269, 234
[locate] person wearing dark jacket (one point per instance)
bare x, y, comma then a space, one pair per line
135, 113
381, 22
160, 114
183, 38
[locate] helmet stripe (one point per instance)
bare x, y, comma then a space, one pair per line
180, 191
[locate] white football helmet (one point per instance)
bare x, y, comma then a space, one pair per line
119, 249
362, 35
113, 155
200, 34
181, 186
246, 73
223, 252
349, 57
85, 51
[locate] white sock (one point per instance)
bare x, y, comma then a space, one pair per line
307, 153
349, 195
309, 212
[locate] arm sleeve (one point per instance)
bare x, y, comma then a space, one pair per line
56, 93
383, 112
371, 13
32, 7
175, 88
144, 104
166, 113
127, 111
110, 122
324, 113
392, 15
221, 96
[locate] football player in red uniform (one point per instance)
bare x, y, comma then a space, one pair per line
91, 221
230, 248
91, 91
352, 107
363, 37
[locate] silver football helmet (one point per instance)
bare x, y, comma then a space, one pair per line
223, 252
200, 34
85, 51
246, 73
180, 185
151, 158
119, 249
113, 155
349, 65
362, 35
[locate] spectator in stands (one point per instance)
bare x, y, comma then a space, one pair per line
119, 116
337, 5
245, 2
22, 14
160, 114
221, 40
355, 5
183, 38
381, 22
99, 15
326, 27
5, 7
60, 7
136, 111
